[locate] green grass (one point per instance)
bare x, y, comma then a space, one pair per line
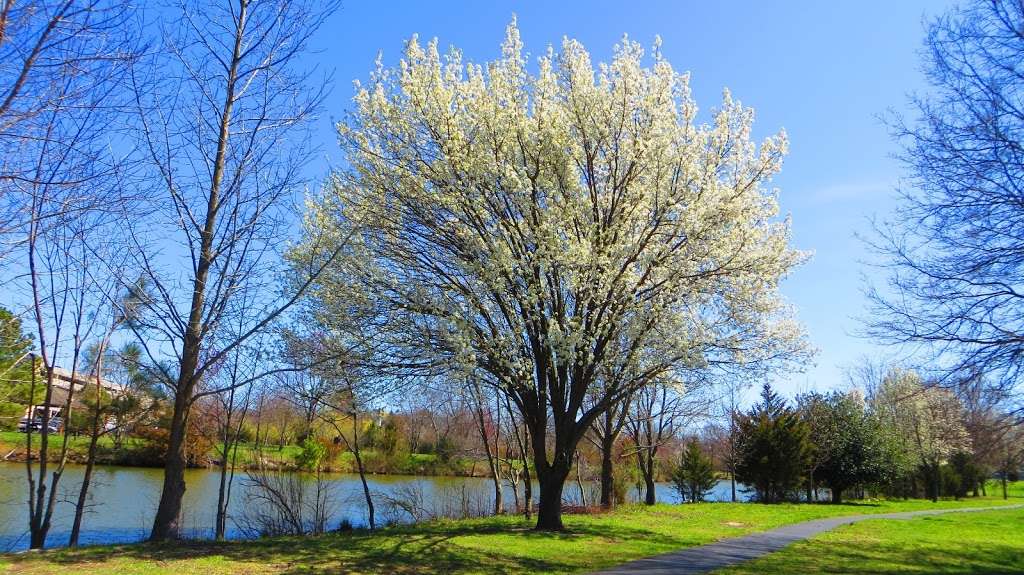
983, 542
14, 440
491, 545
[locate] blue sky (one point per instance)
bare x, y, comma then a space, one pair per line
824, 71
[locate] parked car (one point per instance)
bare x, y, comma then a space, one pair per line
53, 426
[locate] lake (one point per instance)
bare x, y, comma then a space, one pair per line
124, 499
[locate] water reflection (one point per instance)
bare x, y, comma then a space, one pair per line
123, 501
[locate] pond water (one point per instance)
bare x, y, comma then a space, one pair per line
123, 501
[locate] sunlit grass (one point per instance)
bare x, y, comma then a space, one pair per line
983, 542
492, 545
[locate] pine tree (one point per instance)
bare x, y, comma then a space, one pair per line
773, 448
15, 370
694, 476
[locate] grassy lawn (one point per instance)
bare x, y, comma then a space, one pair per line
983, 542
14, 440
492, 545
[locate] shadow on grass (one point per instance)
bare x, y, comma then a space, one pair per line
429, 549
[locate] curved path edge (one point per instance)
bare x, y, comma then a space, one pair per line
727, 552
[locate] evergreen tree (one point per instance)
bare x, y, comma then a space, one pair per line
694, 476
849, 444
773, 448
15, 371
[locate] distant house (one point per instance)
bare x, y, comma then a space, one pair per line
63, 384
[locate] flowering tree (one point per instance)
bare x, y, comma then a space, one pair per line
926, 421
538, 228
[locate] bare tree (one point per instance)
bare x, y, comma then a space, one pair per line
488, 423
519, 457
350, 401
954, 247
60, 292
60, 61
232, 408
222, 112
60, 65
97, 427
656, 415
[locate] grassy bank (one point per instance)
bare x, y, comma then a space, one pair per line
492, 545
984, 542
133, 452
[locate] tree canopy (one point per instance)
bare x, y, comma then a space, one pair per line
546, 227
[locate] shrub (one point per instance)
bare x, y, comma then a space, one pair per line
312, 455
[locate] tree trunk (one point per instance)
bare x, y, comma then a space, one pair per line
837, 494
645, 460
607, 478
354, 446
527, 490
579, 479
83, 492
732, 485
492, 457
549, 509
222, 506
168, 512
651, 497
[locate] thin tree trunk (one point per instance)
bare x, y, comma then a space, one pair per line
221, 522
354, 446
492, 458
579, 479
90, 463
83, 492
607, 471
523, 441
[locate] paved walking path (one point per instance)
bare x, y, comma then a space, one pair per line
706, 558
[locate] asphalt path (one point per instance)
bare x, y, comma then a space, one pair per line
707, 558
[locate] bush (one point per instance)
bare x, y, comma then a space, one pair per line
312, 456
